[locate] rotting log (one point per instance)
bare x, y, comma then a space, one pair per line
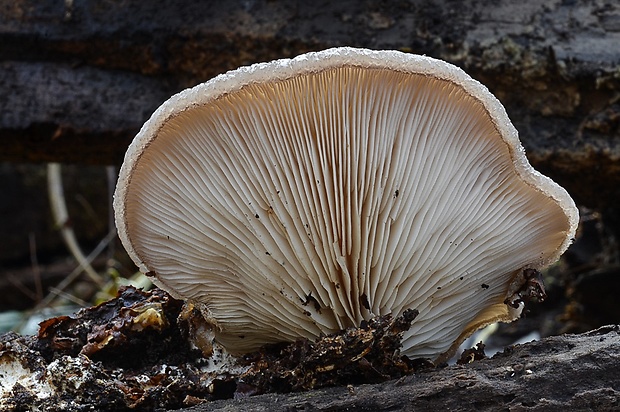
134, 352
560, 373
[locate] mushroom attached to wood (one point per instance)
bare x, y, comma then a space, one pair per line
305, 195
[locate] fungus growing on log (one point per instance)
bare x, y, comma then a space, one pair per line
303, 196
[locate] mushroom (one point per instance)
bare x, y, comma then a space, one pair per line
303, 196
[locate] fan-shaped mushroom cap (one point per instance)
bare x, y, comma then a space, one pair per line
301, 196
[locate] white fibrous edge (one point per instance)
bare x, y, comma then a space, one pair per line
302, 196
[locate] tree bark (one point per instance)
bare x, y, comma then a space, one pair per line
561, 373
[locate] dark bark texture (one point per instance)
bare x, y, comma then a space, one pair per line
561, 373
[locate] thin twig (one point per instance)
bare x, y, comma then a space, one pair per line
69, 297
36, 270
17, 284
77, 271
61, 217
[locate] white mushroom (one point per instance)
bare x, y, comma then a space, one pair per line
302, 196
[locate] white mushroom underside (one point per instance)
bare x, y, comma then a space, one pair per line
346, 185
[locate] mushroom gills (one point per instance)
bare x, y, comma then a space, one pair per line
306, 195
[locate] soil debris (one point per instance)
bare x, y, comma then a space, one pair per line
472, 354
368, 354
135, 352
